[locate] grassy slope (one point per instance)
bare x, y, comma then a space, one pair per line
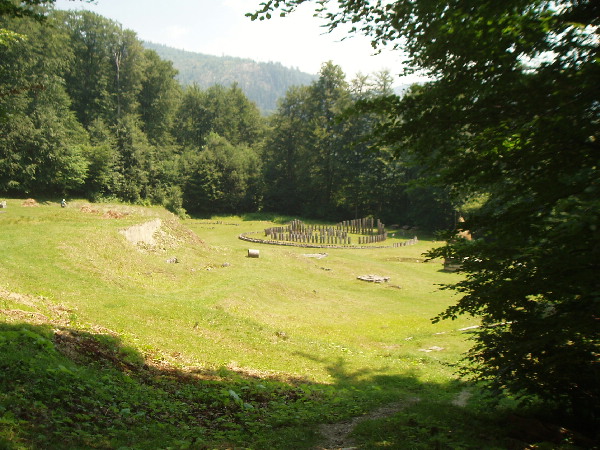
236, 314
282, 315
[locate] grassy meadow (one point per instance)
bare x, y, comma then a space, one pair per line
109, 345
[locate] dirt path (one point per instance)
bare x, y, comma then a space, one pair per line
336, 436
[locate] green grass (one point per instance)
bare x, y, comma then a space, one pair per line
279, 343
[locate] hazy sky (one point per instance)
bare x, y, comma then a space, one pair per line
219, 27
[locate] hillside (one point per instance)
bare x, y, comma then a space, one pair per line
124, 327
263, 83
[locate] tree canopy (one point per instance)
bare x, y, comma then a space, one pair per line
509, 122
85, 110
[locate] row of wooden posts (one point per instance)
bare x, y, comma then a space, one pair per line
405, 243
297, 231
372, 239
340, 239
366, 225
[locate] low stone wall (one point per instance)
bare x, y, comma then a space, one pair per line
247, 237
371, 231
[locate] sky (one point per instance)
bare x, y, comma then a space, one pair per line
219, 27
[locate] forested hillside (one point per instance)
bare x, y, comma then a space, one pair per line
263, 83
87, 111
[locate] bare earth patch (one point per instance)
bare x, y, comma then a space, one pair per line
110, 214
315, 255
143, 233
462, 398
337, 435
435, 348
38, 309
29, 202
89, 209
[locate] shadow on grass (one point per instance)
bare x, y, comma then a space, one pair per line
420, 414
67, 388
426, 415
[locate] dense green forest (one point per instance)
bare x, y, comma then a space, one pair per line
263, 83
87, 111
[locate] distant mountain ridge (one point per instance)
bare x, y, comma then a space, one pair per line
263, 83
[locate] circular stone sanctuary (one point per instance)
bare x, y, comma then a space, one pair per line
357, 233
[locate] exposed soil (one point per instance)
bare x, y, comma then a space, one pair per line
45, 311
110, 214
462, 398
315, 255
159, 235
30, 202
336, 436
142, 234
89, 209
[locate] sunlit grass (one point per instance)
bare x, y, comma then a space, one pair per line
282, 312
348, 345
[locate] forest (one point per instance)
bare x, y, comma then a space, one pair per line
262, 82
87, 111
